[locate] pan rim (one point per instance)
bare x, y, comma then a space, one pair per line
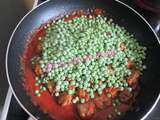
158, 98
6, 59
8, 47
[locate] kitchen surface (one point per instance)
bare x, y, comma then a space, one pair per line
11, 11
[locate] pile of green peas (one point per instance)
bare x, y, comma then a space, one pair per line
65, 40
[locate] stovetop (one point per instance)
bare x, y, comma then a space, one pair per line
16, 112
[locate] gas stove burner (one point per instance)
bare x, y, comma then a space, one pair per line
151, 5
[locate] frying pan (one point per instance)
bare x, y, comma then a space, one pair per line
122, 15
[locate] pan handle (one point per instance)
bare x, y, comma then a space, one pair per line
6, 105
9, 93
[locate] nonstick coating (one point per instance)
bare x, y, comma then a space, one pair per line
121, 14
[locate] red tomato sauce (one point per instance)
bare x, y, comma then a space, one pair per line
46, 102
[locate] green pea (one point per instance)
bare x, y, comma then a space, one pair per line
59, 82
71, 91
117, 101
99, 91
37, 92
36, 84
114, 104
74, 100
82, 100
116, 85
103, 86
109, 95
96, 80
77, 98
130, 89
109, 116
37, 78
121, 88
39, 81
116, 110
118, 113
39, 95
125, 84
92, 95
96, 86
109, 84
77, 84
73, 82
56, 94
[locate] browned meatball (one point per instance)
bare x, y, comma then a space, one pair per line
133, 77
130, 63
85, 110
65, 99
125, 96
51, 87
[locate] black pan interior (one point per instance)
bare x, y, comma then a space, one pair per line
121, 15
